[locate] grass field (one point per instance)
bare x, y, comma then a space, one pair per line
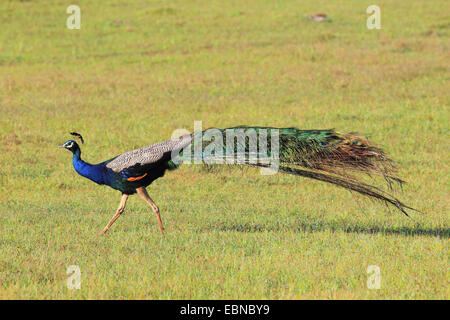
138, 70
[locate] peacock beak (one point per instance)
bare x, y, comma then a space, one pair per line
61, 146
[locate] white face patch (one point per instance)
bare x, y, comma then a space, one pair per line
68, 144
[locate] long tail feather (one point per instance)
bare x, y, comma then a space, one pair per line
324, 155
350, 184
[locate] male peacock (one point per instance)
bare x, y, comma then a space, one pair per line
323, 155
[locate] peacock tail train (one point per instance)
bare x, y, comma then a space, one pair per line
324, 155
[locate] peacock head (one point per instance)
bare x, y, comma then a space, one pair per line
72, 145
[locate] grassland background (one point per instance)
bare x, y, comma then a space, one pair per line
137, 70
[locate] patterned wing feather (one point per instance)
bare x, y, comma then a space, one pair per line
137, 162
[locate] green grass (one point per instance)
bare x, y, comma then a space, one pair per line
138, 70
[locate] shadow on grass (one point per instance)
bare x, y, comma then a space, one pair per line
323, 226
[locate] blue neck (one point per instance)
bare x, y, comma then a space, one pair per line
92, 172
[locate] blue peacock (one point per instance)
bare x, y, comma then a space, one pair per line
324, 155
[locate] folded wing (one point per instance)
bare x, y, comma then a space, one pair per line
134, 164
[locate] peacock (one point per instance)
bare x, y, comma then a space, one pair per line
324, 155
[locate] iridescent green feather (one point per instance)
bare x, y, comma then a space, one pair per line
324, 155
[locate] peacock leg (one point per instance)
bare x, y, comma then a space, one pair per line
142, 192
119, 211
